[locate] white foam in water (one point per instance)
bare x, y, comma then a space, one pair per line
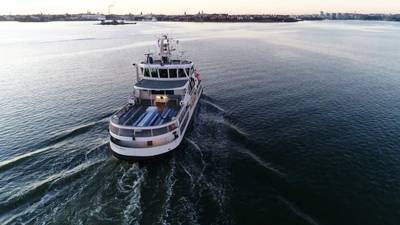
26, 155
213, 105
204, 164
186, 206
50, 195
133, 211
262, 162
169, 186
234, 127
34, 208
189, 174
134, 170
298, 212
195, 145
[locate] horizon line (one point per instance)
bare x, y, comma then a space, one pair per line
201, 12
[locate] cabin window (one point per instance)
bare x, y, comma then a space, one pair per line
181, 73
173, 73
187, 71
163, 73
154, 73
146, 72
155, 92
191, 70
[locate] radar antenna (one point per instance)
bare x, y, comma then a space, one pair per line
166, 48
149, 58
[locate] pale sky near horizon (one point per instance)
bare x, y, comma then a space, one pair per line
194, 6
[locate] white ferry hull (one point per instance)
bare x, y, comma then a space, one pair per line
137, 154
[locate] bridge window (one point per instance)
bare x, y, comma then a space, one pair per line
146, 72
187, 71
163, 73
172, 73
181, 73
154, 73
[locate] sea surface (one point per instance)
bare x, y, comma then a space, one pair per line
299, 124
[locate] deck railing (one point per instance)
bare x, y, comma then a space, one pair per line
150, 131
128, 131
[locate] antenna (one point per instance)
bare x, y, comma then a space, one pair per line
181, 53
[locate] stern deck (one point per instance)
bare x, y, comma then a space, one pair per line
145, 115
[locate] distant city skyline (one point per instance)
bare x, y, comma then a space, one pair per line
191, 7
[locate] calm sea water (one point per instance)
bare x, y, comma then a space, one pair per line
299, 124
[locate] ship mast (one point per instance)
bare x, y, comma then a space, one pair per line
164, 43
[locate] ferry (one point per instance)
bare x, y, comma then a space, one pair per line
160, 107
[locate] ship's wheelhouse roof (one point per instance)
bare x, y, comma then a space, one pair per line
160, 84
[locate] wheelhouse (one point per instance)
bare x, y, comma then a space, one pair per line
162, 71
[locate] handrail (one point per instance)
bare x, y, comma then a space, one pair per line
143, 128
132, 131
147, 127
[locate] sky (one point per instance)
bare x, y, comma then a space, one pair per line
194, 6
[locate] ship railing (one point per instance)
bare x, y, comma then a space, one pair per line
150, 131
171, 62
115, 118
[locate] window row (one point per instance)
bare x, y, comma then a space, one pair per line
167, 73
155, 92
